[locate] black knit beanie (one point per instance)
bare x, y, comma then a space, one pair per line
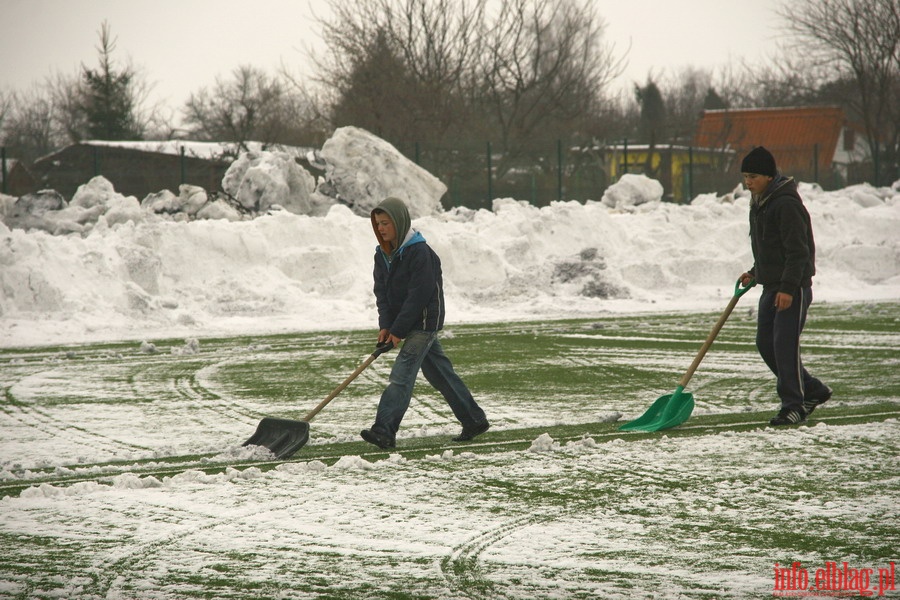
759, 161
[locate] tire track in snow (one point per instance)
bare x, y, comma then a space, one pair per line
193, 388
132, 562
461, 567
111, 575
34, 417
186, 382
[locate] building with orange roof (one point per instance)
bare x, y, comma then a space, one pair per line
811, 143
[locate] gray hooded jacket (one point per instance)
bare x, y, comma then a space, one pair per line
409, 286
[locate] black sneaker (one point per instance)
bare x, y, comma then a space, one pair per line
469, 433
788, 416
373, 437
813, 401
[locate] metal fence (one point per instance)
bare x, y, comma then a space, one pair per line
133, 172
476, 174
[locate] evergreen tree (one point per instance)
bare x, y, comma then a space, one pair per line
713, 101
378, 94
653, 113
107, 100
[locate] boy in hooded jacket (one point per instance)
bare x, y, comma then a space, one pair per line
409, 296
784, 252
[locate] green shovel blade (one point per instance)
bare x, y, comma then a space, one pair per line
668, 411
675, 408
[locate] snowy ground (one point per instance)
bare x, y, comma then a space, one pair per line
286, 272
123, 471
134, 484
461, 525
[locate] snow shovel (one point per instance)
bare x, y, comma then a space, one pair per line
675, 408
285, 436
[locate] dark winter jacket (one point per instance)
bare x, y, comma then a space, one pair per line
781, 237
409, 288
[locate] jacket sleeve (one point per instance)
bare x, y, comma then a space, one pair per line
794, 235
422, 286
752, 269
379, 276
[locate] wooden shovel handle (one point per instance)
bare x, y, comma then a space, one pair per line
738, 292
381, 349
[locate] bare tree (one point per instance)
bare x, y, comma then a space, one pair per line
305, 124
28, 129
401, 67
246, 107
70, 120
255, 106
859, 39
6, 102
520, 73
684, 95
378, 94
43, 118
544, 68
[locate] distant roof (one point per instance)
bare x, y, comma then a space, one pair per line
661, 147
10, 163
205, 150
791, 133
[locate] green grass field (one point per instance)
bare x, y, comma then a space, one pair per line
122, 474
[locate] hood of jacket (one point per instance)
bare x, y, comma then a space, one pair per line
412, 237
399, 214
774, 186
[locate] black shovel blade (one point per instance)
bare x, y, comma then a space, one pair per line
282, 437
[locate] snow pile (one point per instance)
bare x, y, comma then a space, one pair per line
192, 202
543, 443
363, 170
360, 170
162, 270
632, 191
262, 180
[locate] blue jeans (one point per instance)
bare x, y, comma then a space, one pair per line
422, 350
778, 342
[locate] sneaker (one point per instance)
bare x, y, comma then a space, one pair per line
813, 401
373, 437
788, 416
470, 432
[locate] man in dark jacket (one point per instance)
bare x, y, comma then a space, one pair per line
784, 254
410, 299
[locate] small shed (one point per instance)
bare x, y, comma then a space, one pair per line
134, 168
682, 170
15, 178
812, 143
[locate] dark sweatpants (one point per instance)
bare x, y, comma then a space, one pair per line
778, 342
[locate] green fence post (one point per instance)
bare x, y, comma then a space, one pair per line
490, 191
690, 174
625, 152
454, 191
559, 170
876, 159
183, 178
3, 167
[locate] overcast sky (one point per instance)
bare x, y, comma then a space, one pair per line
180, 46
